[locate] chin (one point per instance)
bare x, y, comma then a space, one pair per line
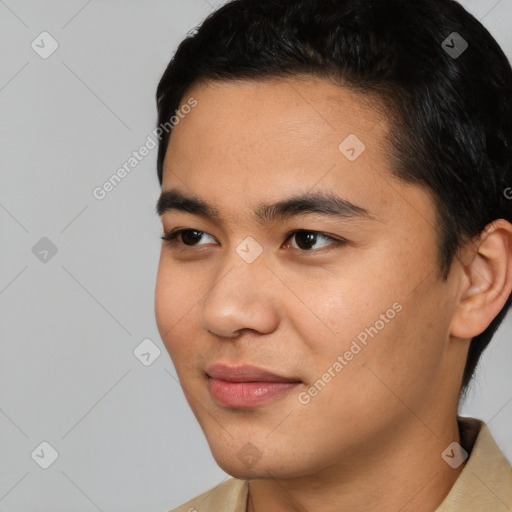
242, 473
257, 472
249, 463
243, 464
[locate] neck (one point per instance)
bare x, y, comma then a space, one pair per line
407, 474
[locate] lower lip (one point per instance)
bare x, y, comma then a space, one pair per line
247, 394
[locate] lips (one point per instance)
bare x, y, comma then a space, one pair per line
246, 386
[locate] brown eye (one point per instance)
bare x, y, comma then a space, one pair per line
187, 237
306, 240
191, 237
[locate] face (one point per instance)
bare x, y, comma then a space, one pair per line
301, 305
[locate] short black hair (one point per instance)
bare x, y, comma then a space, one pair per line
450, 114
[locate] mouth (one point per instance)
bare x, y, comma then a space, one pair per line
246, 386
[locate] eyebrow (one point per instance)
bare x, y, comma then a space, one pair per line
321, 203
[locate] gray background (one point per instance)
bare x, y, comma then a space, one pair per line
125, 437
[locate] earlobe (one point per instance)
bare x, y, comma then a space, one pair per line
486, 283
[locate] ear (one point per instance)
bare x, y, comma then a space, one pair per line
487, 280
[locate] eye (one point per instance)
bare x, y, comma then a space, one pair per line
188, 237
306, 240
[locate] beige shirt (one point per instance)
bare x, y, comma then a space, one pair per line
484, 485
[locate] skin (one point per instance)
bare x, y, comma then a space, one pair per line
372, 438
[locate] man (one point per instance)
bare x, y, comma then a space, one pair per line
337, 250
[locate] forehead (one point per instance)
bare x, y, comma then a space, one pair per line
280, 110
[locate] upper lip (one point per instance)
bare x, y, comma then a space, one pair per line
245, 373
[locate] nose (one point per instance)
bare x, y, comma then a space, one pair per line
243, 296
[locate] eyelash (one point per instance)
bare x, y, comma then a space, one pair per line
172, 241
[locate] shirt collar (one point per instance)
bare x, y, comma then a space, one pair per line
485, 483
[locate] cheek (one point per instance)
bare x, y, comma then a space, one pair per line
175, 298
165, 302
372, 310
400, 358
336, 308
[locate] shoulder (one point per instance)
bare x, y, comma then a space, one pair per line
229, 496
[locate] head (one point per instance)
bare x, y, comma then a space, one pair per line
357, 122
